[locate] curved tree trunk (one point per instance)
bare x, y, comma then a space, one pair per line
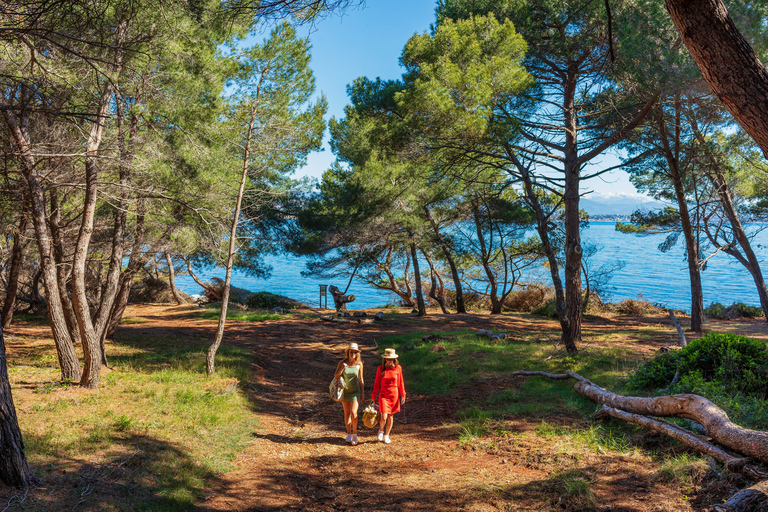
14, 470
17, 256
460, 306
63, 268
211, 356
172, 280
70, 366
438, 297
88, 334
727, 62
417, 279
691, 244
752, 443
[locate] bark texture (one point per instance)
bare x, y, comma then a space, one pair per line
14, 470
17, 255
752, 443
727, 62
422, 308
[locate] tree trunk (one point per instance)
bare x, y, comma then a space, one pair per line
438, 297
691, 244
112, 282
753, 264
484, 258
751, 499
340, 299
542, 228
17, 256
721, 185
70, 367
417, 279
460, 307
727, 62
63, 268
172, 280
14, 470
752, 443
205, 286
91, 340
573, 251
211, 357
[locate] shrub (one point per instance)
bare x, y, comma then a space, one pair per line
267, 300
636, 307
657, 372
529, 298
735, 310
729, 361
735, 361
549, 309
716, 310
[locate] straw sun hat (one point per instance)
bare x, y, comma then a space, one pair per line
389, 353
353, 346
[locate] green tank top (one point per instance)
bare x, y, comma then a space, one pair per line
351, 376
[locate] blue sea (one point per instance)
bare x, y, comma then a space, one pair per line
657, 277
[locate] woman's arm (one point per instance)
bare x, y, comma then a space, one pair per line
339, 369
401, 384
362, 382
376, 384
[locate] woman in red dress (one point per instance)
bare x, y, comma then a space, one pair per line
390, 388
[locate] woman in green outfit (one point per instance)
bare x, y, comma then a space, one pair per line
352, 369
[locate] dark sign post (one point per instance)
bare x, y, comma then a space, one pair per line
323, 295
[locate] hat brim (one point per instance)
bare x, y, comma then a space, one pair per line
389, 357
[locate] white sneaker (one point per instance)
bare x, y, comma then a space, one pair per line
349, 438
380, 437
354, 439
386, 440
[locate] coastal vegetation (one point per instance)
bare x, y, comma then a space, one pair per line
142, 136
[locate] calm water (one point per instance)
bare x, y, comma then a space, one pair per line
659, 277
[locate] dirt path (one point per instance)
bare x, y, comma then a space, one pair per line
298, 459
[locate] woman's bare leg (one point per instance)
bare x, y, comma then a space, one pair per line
348, 415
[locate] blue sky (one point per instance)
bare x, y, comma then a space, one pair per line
368, 41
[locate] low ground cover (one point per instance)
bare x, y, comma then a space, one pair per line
159, 435
150, 438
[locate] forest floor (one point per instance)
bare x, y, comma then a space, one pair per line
297, 458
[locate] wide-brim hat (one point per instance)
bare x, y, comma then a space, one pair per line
353, 346
389, 353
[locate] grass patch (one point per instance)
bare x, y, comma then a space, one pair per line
156, 430
461, 359
213, 312
686, 470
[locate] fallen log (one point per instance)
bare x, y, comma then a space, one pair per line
752, 443
751, 499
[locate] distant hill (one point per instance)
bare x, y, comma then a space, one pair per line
616, 205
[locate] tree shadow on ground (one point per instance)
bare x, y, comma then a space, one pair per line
145, 474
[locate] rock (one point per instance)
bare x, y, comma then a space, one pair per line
379, 316
279, 310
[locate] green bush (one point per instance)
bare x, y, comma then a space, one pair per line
658, 372
716, 310
267, 300
735, 361
731, 362
548, 309
735, 310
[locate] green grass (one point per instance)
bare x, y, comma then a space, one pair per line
467, 359
158, 407
212, 313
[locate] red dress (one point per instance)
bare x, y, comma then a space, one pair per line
390, 388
